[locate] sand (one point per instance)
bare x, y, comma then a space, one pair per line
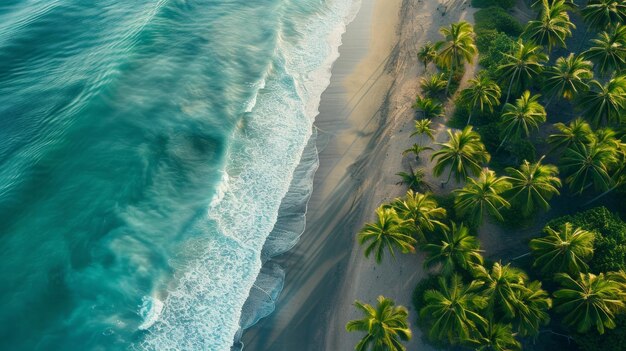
364, 124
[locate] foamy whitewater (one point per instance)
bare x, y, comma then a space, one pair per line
153, 155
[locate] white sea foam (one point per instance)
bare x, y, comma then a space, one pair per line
202, 310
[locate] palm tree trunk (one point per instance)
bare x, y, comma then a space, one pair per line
602, 195
449, 177
502, 143
451, 74
470, 117
508, 94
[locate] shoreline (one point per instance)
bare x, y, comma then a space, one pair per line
366, 117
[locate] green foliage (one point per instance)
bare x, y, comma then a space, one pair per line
610, 237
497, 18
611, 340
522, 149
505, 4
492, 46
491, 135
385, 326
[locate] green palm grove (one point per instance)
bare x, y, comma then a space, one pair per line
486, 302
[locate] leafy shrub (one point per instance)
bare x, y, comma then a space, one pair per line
498, 19
610, 244
434, 85
492, 45
505, 4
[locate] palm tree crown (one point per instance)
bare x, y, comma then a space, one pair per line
604, 13
387, 233
482, 93
502, 286
421, 212
605, 103
495, 337
482, 195
385, 326
430, 108
522, 66
569, 76
565, 250
457, 47
589, 165
456, 249
590, 300
522, 117
463, 153
533, 185
423, 127
553, 25
427, 54
532, 309
609, 50
454, 309
577, 132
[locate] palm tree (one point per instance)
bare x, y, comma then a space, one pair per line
533, 185
427, 54
386, 325
421, 212
430, 108
590, 300
433, 85
589, 164
482, 195
463, 154
566, 250
414, 179
457, 47
609, 50
495, 337
423, 127
553, 25
454, 309
416, 149
605, 103
568, 77
577, 132
522, 117
502, 285
482, 92
522, 67
387, 233
458, 249
601, 14
532, 308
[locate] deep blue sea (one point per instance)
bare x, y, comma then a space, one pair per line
145, 149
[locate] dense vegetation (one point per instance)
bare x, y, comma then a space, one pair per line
575, 287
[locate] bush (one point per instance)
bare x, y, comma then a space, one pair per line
609, 246
505, 4
492, 45
495, 18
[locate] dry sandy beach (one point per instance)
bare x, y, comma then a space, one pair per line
364, 124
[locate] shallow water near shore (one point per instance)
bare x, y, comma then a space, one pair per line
145, 150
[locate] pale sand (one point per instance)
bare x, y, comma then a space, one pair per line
365, 121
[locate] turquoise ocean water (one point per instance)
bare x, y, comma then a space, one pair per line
145, 149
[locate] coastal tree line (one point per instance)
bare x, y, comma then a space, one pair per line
574, 286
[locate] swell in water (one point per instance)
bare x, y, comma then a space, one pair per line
287, 159
146, 148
